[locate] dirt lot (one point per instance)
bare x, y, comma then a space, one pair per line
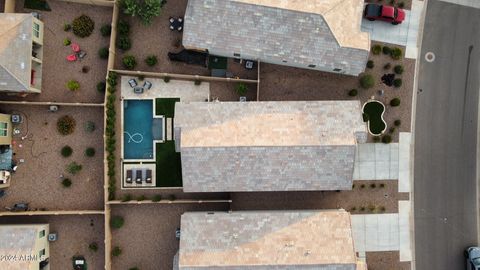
56, 71
279, 83
225, 91
386, 260
148, 239
37, 179
75, 233
359, 197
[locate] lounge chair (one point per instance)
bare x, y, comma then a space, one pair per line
149, 177
147, 85
72, 58
138, 90
132, 83
75, 47
139, 176
129, 177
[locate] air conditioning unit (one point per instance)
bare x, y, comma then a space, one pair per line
53, 108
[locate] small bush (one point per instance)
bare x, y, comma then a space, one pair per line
90, 152
172, 197
396, 53
66, 125
67, 27
129, 62
157, 198
391, 130
353, 209
101, 87
124, 43
387, 66
398, 69
371, 207
362, 186
241, 89
376, 139
116, 222
74, 168
376, 49
151, 60
127, 198
386, 50
123, 28
395, 102
106, 30
397, 122
166, 79
66, 151
367, 81
66, 182
387, 139
381, 209
89, 127
83, 26
93, 247
67, 42
370, 64
382, 185
103, 53
116, 251
353, 92
362, 209
197, 82
141, 198
373, 185
85, 69
73, 85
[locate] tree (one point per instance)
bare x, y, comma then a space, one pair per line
146, 10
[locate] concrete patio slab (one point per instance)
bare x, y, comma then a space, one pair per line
376, 161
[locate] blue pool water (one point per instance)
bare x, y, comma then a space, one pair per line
138, 134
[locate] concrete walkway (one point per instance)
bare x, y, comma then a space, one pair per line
468, 3
376, 161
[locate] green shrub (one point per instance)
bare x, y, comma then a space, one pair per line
382, 185
151, 60
90, 152
123, 28
353, 92
124, 43
89, 127
67, 42
66, 151
398, 69
172, 197
112, 79
116, 222
67, 27
362, 209
397, 122
166, 79
127, 198
396, 53
353, 209
387, 139
241, 88
101, 87
116, 251
387, 66
157, 198
66, 182
370, 64
386, 50
129, 62
382, 209
198, 82
371, 207
106, 30
397, 83
85, 69
141, 198
66, 125
395, 102
367, 81
103, 53
83, 26
74, 168
146, 10
391, 130
376, 49
362, 186
93, 247
73, 85
373, 185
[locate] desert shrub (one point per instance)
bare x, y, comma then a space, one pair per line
373, 185
172, 197
382, 185
395, 102
353, 92
241, 89
146, 10
101, 87
367, 81
112, 79
67, 27
116, 251
387, 66
106, 30
73, 85
74, 167
396, 53
362, 208
90, 152
362, 186
123, 28
353, 209
127, 198
371, 207
89, 127
85, 69
124, 43
166, 79
391, 130
116, 222
66, 182
83, 26
397, 82
66, 125
103, 53
151, 60
66, 151
397, 122
93, 247
141, 198
370, 64
398, 69
157, 198
387, 139
129, 62
66, 42
376, 49
382, 209
197, 82
401, 5
386, 50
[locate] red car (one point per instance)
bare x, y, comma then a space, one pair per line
389, 14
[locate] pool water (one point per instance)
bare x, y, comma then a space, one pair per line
138, 129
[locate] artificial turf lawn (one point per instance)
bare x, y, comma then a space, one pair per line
165, 106
168, 165
374, 111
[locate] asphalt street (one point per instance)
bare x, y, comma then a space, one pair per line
445, 190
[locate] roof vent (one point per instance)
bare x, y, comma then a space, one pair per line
24, 36
22, 65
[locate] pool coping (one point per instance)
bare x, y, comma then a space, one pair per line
381, 117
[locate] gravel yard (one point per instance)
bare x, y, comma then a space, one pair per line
38, 179
386, 260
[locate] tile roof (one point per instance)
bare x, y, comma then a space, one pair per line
267, 240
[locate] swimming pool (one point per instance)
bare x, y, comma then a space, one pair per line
140, 129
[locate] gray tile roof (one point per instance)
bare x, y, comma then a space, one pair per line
267, 240
267, 146
15, 51
324, 33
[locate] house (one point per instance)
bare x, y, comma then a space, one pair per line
268, 146
21, 53
322, 35
267, 240
27, 243
6, 154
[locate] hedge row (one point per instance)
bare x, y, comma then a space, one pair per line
110, 133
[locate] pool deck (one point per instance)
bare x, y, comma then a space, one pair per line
143, 167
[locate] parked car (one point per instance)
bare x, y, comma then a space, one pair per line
389, 14
79, 263
472, 254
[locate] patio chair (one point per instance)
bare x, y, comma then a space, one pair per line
129, 176
149, 177
147, 85
81, 54
139, 176
132, 83
75, 47
71, 58
138, 90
